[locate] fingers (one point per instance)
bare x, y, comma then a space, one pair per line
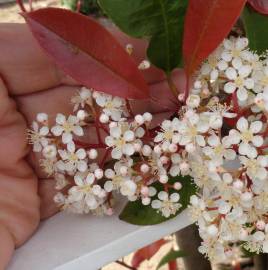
23, 64
47, 192
6, 247
19, 202
51, 102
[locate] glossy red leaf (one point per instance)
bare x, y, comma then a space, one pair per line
259, 5
147, 252
87, 52
207, 23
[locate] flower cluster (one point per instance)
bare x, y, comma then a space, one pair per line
230, 166
122, 158
218, 138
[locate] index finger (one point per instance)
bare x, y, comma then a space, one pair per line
23, 64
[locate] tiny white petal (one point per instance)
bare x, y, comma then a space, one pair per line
255, 127
242, 124
229, 87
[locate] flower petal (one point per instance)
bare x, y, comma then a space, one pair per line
60, 119
229, 87
256, 126
242, 124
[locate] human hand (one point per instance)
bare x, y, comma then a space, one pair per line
31, 83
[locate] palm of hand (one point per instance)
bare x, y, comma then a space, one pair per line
30, 84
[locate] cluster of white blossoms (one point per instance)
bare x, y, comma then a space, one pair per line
218, 138
229, 164
123, 158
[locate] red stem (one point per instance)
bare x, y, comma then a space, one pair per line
104, 129
263, 146
129, 109
21, 5
98, 131
125, 265
105, 157
90, 145
212, 208
235, 102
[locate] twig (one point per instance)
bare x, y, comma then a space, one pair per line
129, 109
21, 5
125, 265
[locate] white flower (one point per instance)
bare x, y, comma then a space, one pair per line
61, 181
213, 64
193, 101
261, 79
169, 133
37, 137
128, 188
49, 151
83, 97
90, 196
112, 106
239, 82
191, 129
219, 149
122, 140
116, 178
217, 113
255, 167
235, 49
42, 118
48, 166
67, 127
73, 160
167, 204
246, 135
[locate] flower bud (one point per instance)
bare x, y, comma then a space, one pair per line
144, 168
104, 118
163, 178
98, 173
92, 153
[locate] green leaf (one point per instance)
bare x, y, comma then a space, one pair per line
159, 20
256, 26
171, 256
138, 214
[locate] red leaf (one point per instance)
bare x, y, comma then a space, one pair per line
207, 23
146, 253
259, 5
87, 52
